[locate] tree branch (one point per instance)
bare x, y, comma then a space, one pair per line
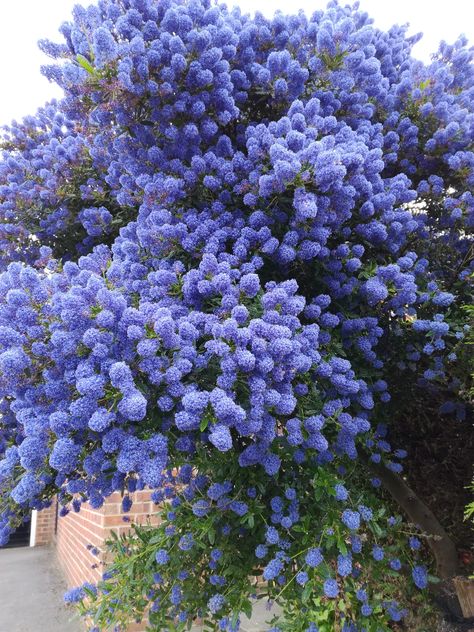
440, 543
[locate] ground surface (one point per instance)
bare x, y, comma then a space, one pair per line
32, 588
261, 613
31, 593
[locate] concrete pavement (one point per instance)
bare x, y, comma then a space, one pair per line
31, 593
260, 614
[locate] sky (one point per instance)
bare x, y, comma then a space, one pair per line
24, 22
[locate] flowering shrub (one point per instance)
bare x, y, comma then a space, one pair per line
224, 252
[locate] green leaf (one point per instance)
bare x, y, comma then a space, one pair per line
204, 424
84, 63
377, 529
306, 593
247, 608
211, 534
324, 614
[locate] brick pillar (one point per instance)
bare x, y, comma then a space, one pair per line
43, 524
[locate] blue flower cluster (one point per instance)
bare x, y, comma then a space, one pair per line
226, 237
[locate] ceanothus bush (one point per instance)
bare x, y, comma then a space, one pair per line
223, 253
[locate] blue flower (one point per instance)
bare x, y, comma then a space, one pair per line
361, 594
221, 438
105, 47
314, 557
216, 603
341, 492
395, 564
162, 556
377, 553
420, 577
271, 535
351, 519
272, 569
73, 595
250, 284
331, 589
344, 565
64, 455
375, 291
365, 513
414, 543
239, 507
201, 508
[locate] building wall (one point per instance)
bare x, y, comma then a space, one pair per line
76, 533
79, 533
43, 526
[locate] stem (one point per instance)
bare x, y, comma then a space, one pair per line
440, 543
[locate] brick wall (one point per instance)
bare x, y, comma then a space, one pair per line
44, 526
78, 532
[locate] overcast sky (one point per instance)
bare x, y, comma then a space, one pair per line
24, 22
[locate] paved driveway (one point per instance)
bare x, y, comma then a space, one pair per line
31, 593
